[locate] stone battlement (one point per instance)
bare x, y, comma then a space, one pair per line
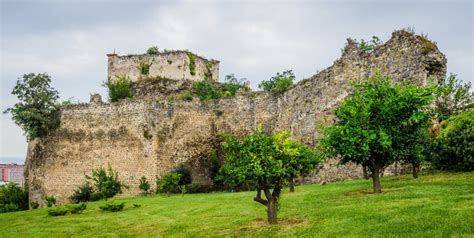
176, 65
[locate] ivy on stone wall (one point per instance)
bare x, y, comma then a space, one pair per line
192, 62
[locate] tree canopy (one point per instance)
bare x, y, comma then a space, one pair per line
379, 123
37, 111
266, 161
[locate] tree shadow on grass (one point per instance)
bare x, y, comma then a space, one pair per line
371, 192
282, 225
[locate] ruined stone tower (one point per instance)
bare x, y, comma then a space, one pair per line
150, 134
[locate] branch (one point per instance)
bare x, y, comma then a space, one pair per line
259, 199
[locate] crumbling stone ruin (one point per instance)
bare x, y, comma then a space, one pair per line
149, 135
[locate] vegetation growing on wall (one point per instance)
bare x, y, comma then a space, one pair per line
37, 111
144, 185
369, 46
427, 46
119, 88
278, 83
144, 68
153, 50
192, 62
206, 90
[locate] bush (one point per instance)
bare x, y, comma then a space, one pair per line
112, 206
192, 63
106, 183
185, 174
369, 46
186, 96
58, 211
82, 194
168, 183
231, 85
77, 208
152, 50
13, 198
37, 111
279, 83
144, 185
34, 204
50, 201
144, 68
453, 148
206, 90
119, 89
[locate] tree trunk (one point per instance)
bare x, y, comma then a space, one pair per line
364, 171
272, 211
292, 185
376, 179
396, 168
415, 170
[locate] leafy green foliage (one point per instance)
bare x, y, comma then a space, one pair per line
231, 85
169, 183
369, 46
192, 62
106, 182
13, 198
453, 97
206, 90
50, 201
37, 111
169, 61
76, 208
58, 211
34, 205
186, 96
119, 88
379, 124
279, 83
144, 185
266, 161
144, 67
185, 174
112, 206
454, 146
83, 194
427, 46
153, 50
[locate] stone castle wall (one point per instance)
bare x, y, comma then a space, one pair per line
170, 65
151, 135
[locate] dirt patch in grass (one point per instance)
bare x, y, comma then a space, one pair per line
371, 192
283, 224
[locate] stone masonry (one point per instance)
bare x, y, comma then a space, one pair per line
169, 64
150, 135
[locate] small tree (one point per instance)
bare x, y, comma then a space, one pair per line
106, 182
453, 97
279, 83
144, 185
38, 111
265, 161
376, 123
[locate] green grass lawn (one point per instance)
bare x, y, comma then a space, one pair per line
440, 205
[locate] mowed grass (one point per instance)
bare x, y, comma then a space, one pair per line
439, 205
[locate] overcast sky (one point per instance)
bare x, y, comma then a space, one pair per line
253, 39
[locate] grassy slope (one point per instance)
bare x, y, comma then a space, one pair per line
433, 205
